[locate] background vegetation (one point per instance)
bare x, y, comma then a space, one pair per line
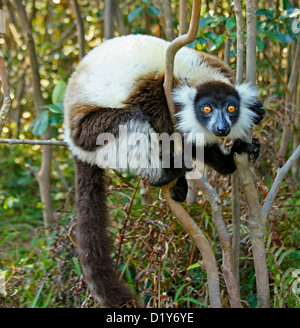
153, 254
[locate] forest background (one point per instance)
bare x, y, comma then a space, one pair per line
39, 267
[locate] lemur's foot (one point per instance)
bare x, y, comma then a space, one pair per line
180, 190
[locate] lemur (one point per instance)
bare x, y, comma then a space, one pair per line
120, 83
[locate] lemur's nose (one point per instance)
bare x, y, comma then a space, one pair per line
223, 129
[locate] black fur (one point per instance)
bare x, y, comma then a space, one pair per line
92, 239
257, 107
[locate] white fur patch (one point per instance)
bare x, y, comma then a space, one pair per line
136, 150
248, 95
188, 123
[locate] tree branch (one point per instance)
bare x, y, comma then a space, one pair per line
225, 239
256, 226
33, 142
80, 28
202, 243
7, 101
178, 43
276, 185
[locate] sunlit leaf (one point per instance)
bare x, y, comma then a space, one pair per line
230, 23
134, 14
40, 123
58, 93
153, 11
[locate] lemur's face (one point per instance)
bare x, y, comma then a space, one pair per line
217, 108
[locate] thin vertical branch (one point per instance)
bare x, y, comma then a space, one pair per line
288, 98
235, 194
169, 21
80, 28
7, 101
256, 225
239, 40
182, 18
251, 6
109, 11
225, 240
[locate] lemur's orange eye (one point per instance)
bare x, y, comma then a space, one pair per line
206, 109
231, 109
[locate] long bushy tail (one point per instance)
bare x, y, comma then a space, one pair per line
92, 238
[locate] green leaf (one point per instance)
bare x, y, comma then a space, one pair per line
192, 300
55, 119
259, 43
210, 35
37, 296
193, 266
41, 123
269, 13
287, 5
230, 23
153, 11
10, 202
76, 265
59, 92
278, 37
217, 42
204, 21
134, 14
179, 291
217, 20
58, 108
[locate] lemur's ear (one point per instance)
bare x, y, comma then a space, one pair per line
257, 108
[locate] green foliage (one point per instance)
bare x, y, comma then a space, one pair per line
54, 113
157, 259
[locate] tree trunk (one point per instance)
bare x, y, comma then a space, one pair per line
109, 13
43, 176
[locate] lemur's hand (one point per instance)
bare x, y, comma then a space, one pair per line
257, 108
252, 149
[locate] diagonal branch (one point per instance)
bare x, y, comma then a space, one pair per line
276, 185
208, 258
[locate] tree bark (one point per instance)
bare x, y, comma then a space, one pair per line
109, 13
288, 99
235, 194
251, 7
225, 240
169, 21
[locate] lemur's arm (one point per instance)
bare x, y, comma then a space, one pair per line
223, 162
220, 161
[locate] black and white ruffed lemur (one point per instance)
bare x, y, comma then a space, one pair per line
120, 82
